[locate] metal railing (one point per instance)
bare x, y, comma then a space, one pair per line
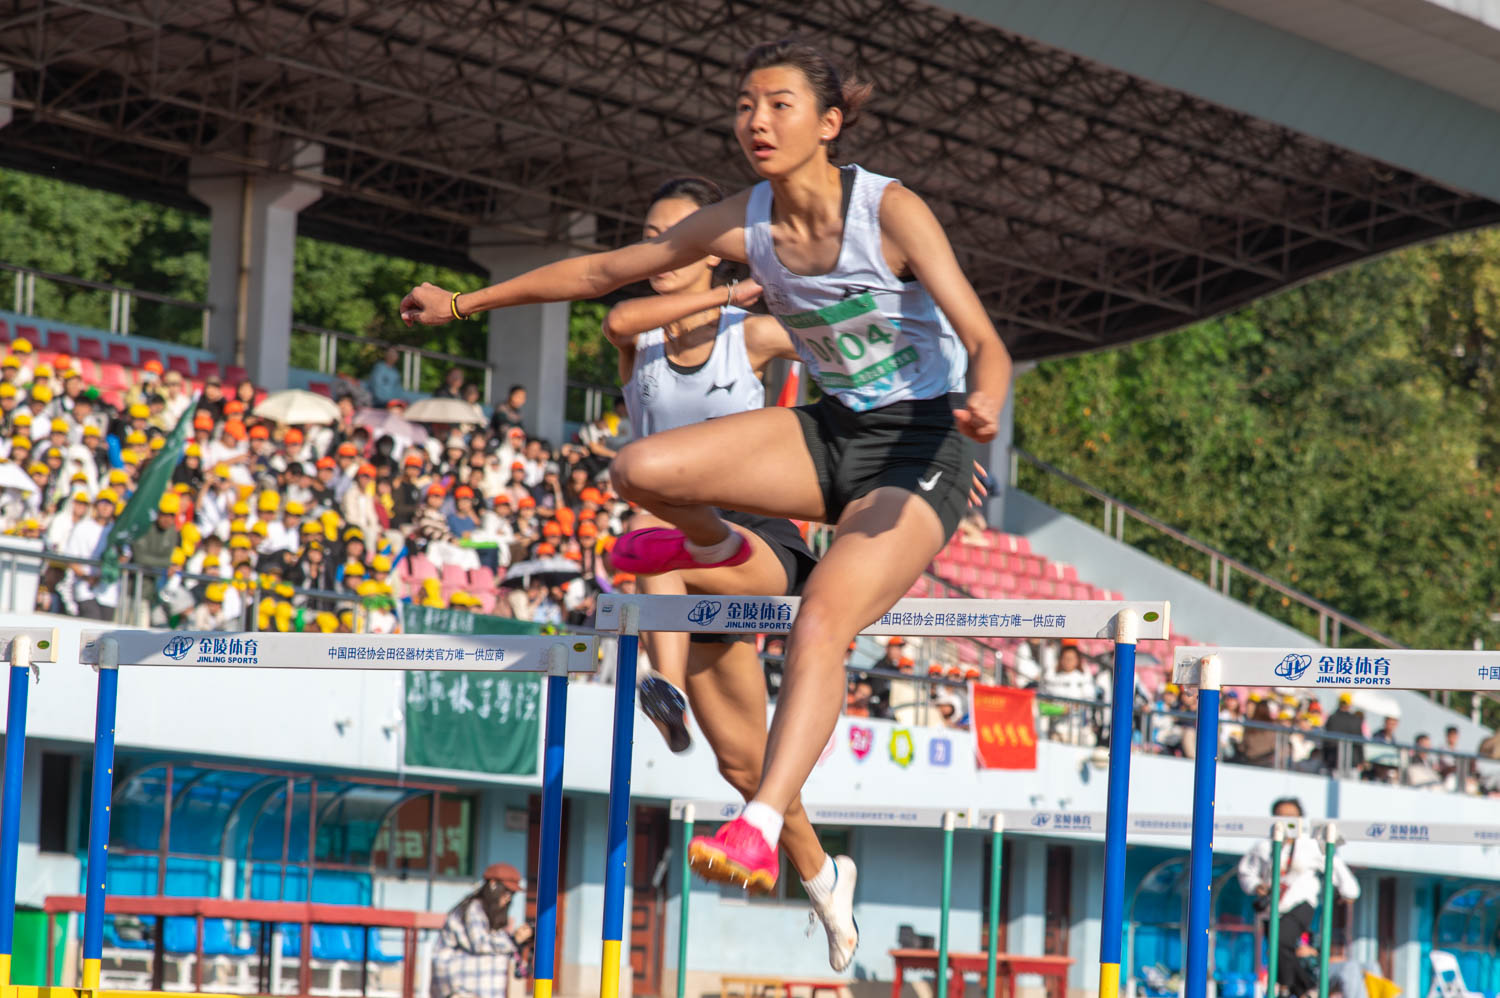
121, 300
412, 358
1221, 567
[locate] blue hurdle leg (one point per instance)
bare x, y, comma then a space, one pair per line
1200, 877
10, 806
548, 872
618, 856
1122, 718
99, 811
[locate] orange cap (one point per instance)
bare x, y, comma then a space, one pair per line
153, 365
366, 469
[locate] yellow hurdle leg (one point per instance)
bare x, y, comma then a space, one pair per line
91, 973
609, 974
1109, 980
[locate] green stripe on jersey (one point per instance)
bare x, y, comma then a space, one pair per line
831, 314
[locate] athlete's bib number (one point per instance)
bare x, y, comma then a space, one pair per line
854, 343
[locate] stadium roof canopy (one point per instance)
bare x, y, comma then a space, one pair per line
1106, 171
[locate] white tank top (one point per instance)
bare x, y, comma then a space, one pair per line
663, 396
868, 338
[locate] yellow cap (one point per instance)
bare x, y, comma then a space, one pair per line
37, 468
295, 508
118, 477
190, 533
284, 590
107, 495
11, 360
179, 557
431, 585
91, 430
59, 426
311, 528
462, 598
130, 457
193, 450
354, 568
222, 470
135, 438
22, 419
22, 346
382, 563
327, 622
171, 503
43, 370
1346, 698
82, 497
284, 612
239, 542
369, 588
329, 516
23, 443
347, 619
241, 508
42, 393
140, 411
215, 592
258, 529
269, 502
7, 390
71, 373
157, 443
211, 561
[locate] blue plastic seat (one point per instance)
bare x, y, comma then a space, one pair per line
335, 942
218, 940
377, 951
182, 935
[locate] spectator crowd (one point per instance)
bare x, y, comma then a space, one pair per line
300, 527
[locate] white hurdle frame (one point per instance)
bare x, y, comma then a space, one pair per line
555, 656
1339, 669
1124, 622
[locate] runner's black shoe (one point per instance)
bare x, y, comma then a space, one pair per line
665, 704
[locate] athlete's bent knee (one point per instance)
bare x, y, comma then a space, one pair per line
744, 779
818, 624
634, 471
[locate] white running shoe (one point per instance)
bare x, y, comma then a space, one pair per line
837, 915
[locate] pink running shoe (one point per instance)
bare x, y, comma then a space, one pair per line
655, 550
736, 854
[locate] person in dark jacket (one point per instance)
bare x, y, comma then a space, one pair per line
1343, 721
154, 549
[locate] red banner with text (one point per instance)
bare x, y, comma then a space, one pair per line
1003, 719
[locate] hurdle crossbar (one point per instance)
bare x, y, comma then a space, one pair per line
1336, 669
555, 656
1124, 622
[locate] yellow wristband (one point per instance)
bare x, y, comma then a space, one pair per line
453, 304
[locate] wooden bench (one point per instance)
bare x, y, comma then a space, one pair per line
1007, 967
777, 987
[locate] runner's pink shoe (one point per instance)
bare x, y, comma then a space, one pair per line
736, 854
655, 550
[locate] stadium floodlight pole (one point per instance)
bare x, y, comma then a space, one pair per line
1122, 719
1330, 842
997, 831
617, 859
99, 810
1201, 861
1278, 838
682, 902
544, 958
10, 807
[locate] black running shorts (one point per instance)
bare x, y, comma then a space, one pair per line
785, 541
913, 445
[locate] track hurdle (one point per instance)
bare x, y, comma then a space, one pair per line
107, 651
1124, 622
1209, 669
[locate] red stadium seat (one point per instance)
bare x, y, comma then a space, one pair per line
59, 341
234, 374
4, 331
320, 388
113, 399
120, 353
30, 333
90, 348
112, 377
207, 369
149, 355
177, 362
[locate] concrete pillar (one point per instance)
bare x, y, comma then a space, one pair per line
7, 91
252, 245
995, 456
1086, 903
528, 345
1027, 882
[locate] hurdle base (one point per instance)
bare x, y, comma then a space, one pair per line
55, 991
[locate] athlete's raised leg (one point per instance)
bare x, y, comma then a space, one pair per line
755, 461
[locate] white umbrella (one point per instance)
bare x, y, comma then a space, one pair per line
549, 571
449, 411
12, 477
1375, 702
384, 423
295, 407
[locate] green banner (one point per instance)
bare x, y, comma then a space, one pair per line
478, 721
140, 511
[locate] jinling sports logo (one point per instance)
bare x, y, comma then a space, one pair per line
705, 611
178, 648
1375, 831
1293, 667
1041, 820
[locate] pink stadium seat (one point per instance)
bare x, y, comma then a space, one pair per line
113, 399
90, 348
422, 568
1070, 573
482, 580
148, 355
455, 577
59, 341
487, 600
177, 362
120, 353
207, 369
112, 377
234, 374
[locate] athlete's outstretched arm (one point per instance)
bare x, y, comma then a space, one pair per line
716, 230
635, 316
907, 222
